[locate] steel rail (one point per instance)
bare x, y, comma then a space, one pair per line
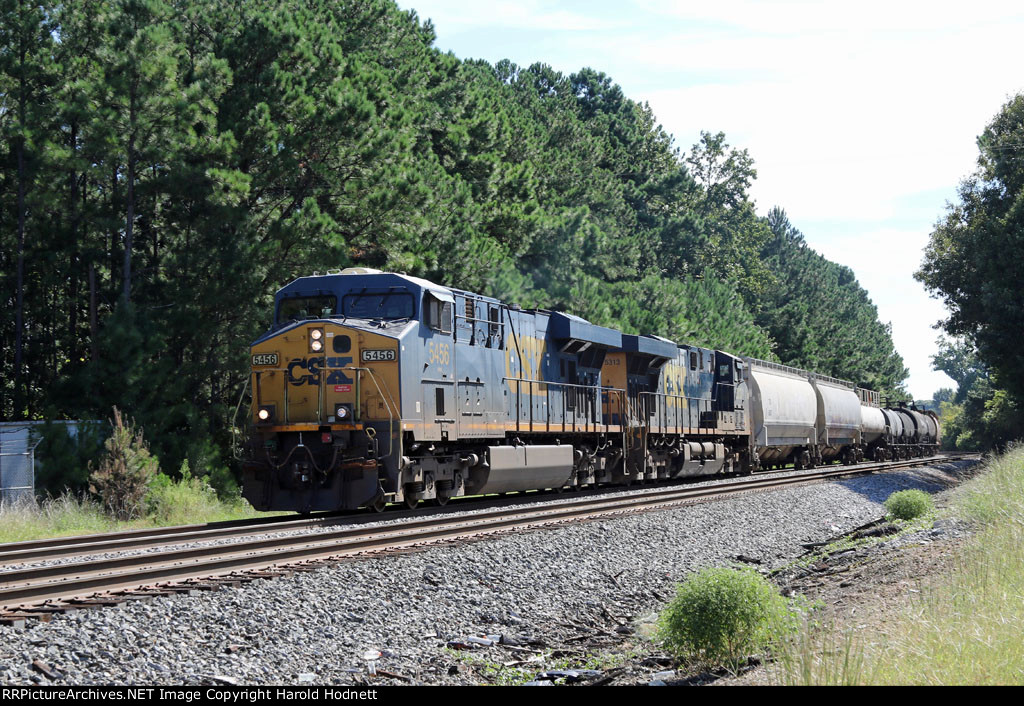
80, 545
83, 578
12, 553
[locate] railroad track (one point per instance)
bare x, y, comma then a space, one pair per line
38, 592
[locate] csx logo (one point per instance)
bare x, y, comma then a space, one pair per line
306, 371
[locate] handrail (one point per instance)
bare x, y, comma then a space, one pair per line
605, 406
388, 399
645, 395
757, 362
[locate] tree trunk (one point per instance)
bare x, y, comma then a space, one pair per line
130, 216
20, 388
92, 311
75, 252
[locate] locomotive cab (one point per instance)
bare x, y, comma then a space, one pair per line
325, 379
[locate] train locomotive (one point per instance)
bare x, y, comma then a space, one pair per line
373, 388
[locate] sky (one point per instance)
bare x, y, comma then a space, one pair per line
861, 117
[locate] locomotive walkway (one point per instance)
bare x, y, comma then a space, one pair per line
28, 592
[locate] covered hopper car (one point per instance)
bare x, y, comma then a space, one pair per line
373, 387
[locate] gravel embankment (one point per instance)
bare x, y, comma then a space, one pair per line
320, 627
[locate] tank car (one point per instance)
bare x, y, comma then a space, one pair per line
806, 419
784, 412
873, 426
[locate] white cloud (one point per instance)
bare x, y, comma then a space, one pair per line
840, 123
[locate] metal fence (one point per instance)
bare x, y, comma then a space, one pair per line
17, 465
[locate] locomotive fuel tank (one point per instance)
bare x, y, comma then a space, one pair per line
514, 468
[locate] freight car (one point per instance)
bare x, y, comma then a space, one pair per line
374, 387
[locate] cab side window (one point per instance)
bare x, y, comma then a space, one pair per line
439, 314
493, 327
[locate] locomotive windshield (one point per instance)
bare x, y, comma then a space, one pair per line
299, 308
378, 305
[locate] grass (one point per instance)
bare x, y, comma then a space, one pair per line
964, 627
186, 501
56, 517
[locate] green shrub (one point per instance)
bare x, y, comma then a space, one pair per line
909, 504
125, 470
222, 480
721, 616
185, 501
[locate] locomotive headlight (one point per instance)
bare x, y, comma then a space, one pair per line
265, 414
341, 412
316, 340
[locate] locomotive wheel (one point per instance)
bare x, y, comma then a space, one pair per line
378, 504
442, 488
411, 491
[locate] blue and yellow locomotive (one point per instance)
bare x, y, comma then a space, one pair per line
375, 387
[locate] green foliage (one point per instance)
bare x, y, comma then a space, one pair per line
820, 317
187, 500
722, 616
909, 504
125, 470
166, 165
62, 460
975, 262
981, 415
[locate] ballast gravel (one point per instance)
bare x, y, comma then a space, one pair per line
405, 618
467, 506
